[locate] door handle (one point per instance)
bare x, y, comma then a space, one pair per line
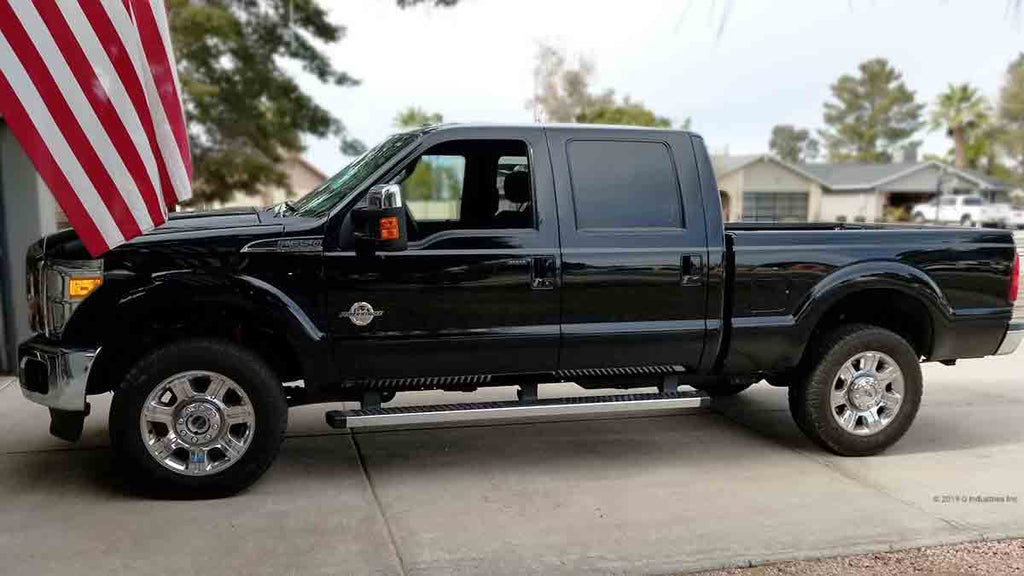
542, 273
691, 270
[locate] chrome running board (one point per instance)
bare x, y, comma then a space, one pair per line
519, 411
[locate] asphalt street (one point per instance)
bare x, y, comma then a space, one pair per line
733, 485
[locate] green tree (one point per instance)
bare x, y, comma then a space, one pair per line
563, 91
435, 178
563, 95
432, 179
793, 144
245, 113
962, 112
873, 115
1011, 116
627, 112
416, 117
982, 152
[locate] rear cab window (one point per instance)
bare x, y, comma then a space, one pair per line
619, 185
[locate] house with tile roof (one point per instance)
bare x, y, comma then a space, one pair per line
764, 188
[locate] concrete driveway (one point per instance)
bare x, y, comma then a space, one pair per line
729, 486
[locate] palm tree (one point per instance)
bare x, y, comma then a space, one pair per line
960, 110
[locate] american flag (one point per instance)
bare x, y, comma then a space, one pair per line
89, 89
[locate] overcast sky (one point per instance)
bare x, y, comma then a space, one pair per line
773, 63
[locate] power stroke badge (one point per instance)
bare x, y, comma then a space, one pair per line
361, 313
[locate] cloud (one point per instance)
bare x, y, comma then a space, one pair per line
773, 63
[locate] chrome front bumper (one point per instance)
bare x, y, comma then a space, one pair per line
54, 376
1013, 338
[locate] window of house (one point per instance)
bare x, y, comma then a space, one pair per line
468, 185
618, 185
775, 206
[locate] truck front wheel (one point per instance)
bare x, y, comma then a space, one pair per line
862, 393
203, 417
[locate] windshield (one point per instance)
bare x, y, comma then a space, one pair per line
322, 199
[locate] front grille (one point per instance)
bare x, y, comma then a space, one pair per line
35, 287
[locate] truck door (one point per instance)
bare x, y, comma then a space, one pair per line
634, 250
476, 292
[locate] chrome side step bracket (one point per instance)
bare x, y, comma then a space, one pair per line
513, 411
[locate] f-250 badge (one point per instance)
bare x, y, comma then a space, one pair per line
361, 313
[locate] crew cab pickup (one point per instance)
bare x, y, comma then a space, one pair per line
464, 256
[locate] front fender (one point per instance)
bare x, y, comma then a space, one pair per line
126, 311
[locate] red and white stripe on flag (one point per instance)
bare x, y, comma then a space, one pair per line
90, 91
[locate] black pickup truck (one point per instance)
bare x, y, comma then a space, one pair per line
464, 256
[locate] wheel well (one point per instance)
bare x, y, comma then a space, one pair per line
891, 309
127, 344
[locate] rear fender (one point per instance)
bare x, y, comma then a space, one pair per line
850, 280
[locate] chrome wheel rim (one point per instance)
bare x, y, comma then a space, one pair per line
867, 393
197, 423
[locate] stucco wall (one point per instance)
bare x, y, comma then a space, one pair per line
850, 205
300, 176
814, 201
732, 184
28, 214
769, 176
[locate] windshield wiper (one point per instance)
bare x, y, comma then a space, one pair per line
285, 207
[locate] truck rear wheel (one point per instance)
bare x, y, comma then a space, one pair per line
204, 417
861, 394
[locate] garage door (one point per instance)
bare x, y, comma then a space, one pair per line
775, 206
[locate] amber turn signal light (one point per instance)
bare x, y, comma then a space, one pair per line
82, 287
389, 228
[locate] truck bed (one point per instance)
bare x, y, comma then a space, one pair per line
775, 272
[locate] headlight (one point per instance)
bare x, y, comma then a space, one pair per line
64, 285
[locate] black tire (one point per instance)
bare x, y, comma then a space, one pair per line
919, 218
966, 220
251, 373
809, 398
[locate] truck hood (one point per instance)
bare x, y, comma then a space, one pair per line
67, 246
209, 219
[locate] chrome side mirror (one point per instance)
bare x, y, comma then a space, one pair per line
384, 196
379, 226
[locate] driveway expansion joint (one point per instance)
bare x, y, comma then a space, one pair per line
392, 542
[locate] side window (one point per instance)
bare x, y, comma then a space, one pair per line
434, 189
468, 185
973, 202
621, 185
949, 201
